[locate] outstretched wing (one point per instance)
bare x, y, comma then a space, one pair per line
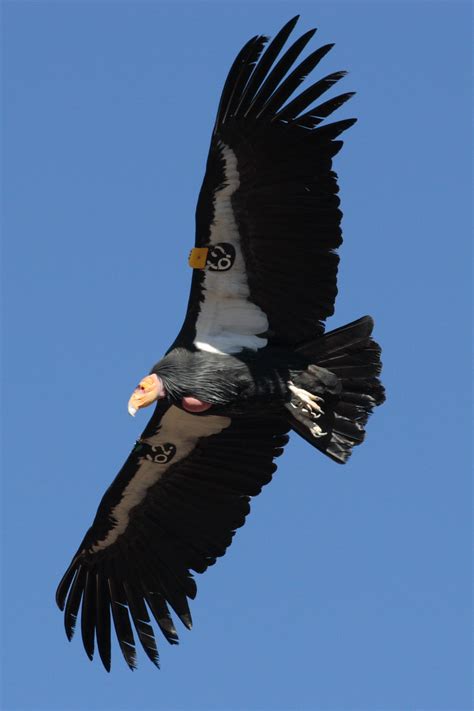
174, 507
268, 218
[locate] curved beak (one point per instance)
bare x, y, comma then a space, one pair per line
148, 390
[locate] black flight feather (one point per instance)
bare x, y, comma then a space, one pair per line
65, 584
231, 79
159, 608
292, 81
88, 614
122, 622
278, 73
103, 620
242, 75
307, 97
332, 130
264, 65
74, 601
141, 620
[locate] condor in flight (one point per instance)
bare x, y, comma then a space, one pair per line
251, 362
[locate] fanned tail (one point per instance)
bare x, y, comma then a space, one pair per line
333, 398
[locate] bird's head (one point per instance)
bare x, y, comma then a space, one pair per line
149, 389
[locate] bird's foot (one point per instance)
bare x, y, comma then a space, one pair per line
309, 400
316, 431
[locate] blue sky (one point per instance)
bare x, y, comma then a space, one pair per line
348, 588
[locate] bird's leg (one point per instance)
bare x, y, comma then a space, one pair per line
311, 401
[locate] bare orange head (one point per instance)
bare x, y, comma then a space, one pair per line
149, 389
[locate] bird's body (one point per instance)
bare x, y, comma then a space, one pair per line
251, 361
228, 381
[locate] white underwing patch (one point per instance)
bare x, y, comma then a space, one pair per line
228, 321
183, 430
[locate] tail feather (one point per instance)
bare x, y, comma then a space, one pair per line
343, 373
336, 342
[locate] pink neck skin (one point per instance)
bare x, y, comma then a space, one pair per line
192, 404
161, 387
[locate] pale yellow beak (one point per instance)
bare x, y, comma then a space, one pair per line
148, 390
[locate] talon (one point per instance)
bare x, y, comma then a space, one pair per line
308, 399
316, 431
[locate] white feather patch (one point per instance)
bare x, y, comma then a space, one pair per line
181, 429
228, 321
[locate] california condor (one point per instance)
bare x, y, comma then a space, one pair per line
251, 361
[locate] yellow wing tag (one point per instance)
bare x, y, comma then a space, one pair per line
198, 257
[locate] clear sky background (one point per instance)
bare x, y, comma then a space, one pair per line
348, 588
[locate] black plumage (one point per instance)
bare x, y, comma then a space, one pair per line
250, 363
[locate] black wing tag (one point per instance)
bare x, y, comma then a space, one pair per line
158, 453
221, 257
217, 258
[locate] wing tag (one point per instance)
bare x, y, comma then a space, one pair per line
198, 257
218, 258
158, 453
